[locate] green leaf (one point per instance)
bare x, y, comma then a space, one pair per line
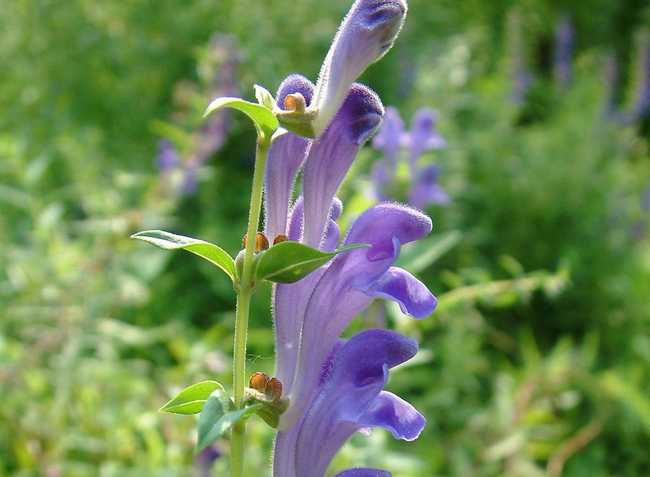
263, 118
215, 419
418, 256
191, 399
212, 253
264, 97
288, 262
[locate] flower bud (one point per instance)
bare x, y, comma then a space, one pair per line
280, 238
258, 381
366, 34
274, 389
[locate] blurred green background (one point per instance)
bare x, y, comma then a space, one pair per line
537, 361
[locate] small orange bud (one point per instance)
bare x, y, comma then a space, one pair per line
244, 241
261, 242
274, 389
259, 381
280, 238
294, 102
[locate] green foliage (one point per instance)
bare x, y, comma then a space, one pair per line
536, 361
192, 399
218, 416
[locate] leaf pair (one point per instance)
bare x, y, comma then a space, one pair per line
285, 262
217, 412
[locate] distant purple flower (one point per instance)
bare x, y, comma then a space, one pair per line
645, 199
611, 78
205, 460
167, 159
521, 76
426, 189
641, 107
563, 54
392, 139
423, 136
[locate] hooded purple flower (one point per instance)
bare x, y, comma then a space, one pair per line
332, 392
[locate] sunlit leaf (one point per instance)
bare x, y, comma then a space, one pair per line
263, 118
192, 399
210, 252
289, 261
264, 97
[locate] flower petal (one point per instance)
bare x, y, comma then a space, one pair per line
338, 297
286, 155
363, 472
331, 155
345, 401
398, 285
395, 415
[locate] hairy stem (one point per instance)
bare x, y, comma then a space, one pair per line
243, 307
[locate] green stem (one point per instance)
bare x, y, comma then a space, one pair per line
243, 307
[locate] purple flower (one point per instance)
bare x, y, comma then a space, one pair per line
641, 106
422, 137
335, 388
426, 189
205, 460
365, 35
522, 78
350, 398
167, 159
286, 156
611, 78
645, 199
563, 52
331, 155
389, 140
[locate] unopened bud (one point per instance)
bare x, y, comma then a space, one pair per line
261, 242
259, 382
280, 238
274, 389
295, 102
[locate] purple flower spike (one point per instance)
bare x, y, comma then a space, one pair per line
365, 35
350, 398
331, 155
286, 155
563, 52
423, 135
363, 473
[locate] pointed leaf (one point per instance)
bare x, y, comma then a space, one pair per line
215, 420
212, 253
191, 399
288, 262
264, 97
263, 118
